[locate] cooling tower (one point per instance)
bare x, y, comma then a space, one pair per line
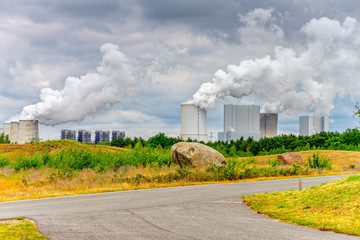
28, 131
268, 125
193, 123
6, 127
14, 132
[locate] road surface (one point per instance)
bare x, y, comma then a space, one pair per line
192, 212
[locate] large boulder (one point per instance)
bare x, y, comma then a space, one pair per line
189, 154
290, 158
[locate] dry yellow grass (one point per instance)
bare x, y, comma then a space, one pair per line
340, 160
334, 206
49, 182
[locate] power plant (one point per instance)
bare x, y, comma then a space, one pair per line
23, 131
310, 125
193, 123
240, 121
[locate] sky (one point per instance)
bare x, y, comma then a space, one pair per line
128, 65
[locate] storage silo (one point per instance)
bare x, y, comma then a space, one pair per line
14, 132
28, 131
193, 123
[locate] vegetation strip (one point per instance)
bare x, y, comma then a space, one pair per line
61, 168
333, 206
19, 228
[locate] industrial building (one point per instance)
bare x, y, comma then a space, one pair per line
116, 134
310, 125
102, 136
68, 134
23, 131
240, 121
84, 136
193, 123
268, 125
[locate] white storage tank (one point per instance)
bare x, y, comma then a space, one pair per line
193, 122
14, 132
28, 131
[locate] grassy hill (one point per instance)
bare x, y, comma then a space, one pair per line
333, 206
11, 150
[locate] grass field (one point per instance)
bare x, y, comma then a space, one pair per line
19, 228
330, 207
61, 168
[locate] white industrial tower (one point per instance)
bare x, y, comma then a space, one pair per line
310, 125
193, 123
240, 121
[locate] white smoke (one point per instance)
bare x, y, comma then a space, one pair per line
85, 95
311, 80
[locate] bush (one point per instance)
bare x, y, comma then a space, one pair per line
4, 161
27, 161
319, 162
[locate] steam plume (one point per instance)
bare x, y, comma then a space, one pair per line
329, 67
85, 95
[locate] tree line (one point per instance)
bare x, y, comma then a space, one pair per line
348, 140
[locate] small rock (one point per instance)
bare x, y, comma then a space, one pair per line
290, 158
189, 154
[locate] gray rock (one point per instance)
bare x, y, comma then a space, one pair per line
189, 154
290, 158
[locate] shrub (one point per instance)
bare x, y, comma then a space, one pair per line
27, 161
319, 162
4, 161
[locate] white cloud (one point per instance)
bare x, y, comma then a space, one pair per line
43, 43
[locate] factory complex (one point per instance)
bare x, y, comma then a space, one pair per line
84, 136
243, 121
240, 121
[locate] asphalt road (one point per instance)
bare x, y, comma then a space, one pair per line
192, 212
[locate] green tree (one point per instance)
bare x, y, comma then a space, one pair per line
357, 110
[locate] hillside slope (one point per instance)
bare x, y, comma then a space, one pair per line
11, 150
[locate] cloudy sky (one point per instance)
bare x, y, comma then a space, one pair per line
128, 65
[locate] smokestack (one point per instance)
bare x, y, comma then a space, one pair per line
193, 123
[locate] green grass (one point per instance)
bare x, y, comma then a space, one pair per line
19, 228
332, 207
